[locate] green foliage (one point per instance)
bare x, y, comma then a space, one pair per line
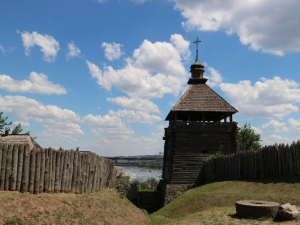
149, 185
18, 129
248, 139
156, 164
126, 179
3, 122
214, 156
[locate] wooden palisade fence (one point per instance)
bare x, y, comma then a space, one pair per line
268, 162
47, 170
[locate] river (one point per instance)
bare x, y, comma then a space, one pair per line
136, 173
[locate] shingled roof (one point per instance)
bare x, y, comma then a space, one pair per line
201, 98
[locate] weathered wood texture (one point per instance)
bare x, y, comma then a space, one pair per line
188, 144
269, 162
47, 170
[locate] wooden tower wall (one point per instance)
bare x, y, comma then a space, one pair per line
187, 146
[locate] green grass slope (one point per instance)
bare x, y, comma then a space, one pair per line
215, 203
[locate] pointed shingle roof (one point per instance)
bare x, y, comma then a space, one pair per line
201, 98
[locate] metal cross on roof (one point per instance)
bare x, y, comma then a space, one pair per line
197, 42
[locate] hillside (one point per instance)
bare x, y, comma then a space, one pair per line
214, 203
208, 204
103, 207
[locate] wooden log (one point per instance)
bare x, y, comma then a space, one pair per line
2, 146
71, 168
13, 184
53, 169
51, 156
42, 175
290, 160
8, 167
90, 172
98, 174
298, 158
74, 175
62, 159
25, 172
37, 172
47, 170
65, 169
57, 172
32, 170
83, 166
77, 188
20, 167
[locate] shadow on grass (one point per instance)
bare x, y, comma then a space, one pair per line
277, 219
289, 180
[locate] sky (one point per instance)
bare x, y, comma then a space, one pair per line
102, 75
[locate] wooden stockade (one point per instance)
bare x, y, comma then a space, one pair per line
46, 170
269, 162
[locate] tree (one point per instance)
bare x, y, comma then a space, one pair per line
3, 122
18, 129
248, 139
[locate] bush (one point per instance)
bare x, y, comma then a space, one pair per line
149, 185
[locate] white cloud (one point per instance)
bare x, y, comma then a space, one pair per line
49, 46
181, 45
272, 139
138, 104
263, 98
37, 83
123, 145
160, 132
214, 77
269, 25
135, 116
140, 1
154, 70
136, 82
112, 51
257, 130
114, 138
162, 57
108, 127
275, 126
74, 51
58, 121
2, 48
23, 123
103, 121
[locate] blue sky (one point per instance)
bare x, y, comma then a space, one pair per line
103, 75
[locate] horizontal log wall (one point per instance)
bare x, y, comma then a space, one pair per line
188, 144
47, 170
269, 162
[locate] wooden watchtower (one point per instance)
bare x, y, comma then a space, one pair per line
200, 124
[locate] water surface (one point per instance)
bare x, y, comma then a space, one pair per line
137, 173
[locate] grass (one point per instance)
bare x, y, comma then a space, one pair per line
215, 203
211, 204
